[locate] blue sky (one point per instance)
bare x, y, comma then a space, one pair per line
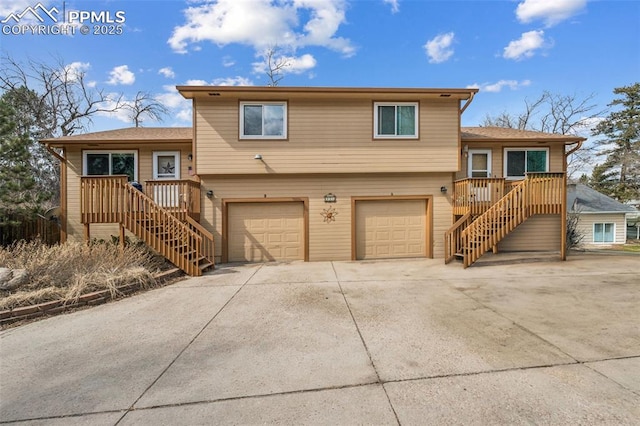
511, 50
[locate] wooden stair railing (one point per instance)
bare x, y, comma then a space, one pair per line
112, 200
539, 193
452, 238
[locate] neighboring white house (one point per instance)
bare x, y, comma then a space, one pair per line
602, 220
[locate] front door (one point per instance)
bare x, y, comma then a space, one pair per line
166, 167
479, 166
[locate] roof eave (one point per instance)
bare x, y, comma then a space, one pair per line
190, 92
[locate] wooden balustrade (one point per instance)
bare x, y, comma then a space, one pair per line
180, 197
452, 238
476, 195
111, 199
539, 193
102, 199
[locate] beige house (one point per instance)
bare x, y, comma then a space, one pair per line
299, 173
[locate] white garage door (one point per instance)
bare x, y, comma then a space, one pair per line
390, 228
262, 232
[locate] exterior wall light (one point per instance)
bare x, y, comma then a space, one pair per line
257, 157
210, 194
190, 157
443, 189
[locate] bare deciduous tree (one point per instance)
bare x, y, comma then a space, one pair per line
145, 105
65, 103
556, 113
274, 66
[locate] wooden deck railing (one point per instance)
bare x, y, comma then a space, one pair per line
476, 195
180, 197
452, 238
539, 193
111, 199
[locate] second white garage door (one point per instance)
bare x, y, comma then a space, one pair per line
262, 232
390, 229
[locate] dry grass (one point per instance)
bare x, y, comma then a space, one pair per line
67, 271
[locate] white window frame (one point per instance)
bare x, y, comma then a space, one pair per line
529, 148
416, 105
469, 161
603, 232
263, 136
156, 172
111, 152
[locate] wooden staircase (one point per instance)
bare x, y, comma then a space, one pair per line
472, 235
110, 199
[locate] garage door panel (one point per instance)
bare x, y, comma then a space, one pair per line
261, 232
390, 228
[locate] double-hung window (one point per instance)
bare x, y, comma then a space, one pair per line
395, 120
519, 161
603, 232
108, 163
263, 120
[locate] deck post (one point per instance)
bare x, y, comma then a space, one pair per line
122, 236
87, 233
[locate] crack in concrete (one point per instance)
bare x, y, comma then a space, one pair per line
366, 348
131, 407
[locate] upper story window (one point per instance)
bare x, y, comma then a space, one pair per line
108, 163
395, 120
519, 161
263, 120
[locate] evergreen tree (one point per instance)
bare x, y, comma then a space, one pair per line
19, 197
619, 175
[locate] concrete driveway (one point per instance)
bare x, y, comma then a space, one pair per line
386, 342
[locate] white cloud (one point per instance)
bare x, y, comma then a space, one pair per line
232, 81
228, 61
196, 82
525, 46
395, 5
167, 72
121, 75
551, 12
263, 23
185, 115
439, 48
293, 64
171, 98
74, 70
499, 85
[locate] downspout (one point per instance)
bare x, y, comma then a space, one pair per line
63, 191
466, 104
563, 212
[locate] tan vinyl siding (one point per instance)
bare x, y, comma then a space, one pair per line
585, 227
537, 233
556, 154
326, 136
329, 240
75, 229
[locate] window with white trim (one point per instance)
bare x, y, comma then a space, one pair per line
604, 232
263, 120
520, 161
108, 163
395, 120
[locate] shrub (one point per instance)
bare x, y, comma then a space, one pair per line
67, 271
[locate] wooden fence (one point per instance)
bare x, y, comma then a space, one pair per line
30, 229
